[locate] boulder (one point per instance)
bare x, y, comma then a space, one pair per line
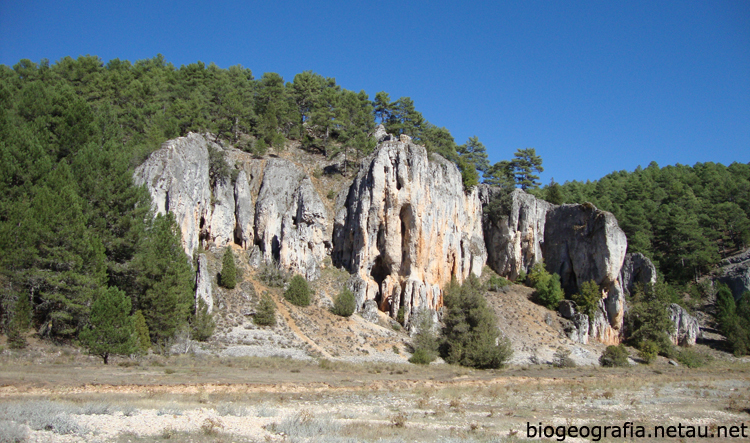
582, 243
686, 328
291, 220
567, 309
636, 269
407, 228
514, 238
577, 328
203, 288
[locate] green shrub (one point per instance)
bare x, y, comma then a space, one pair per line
202, 325
548, 293
693, 359
496, 282
421, 357
400, 315
470, 334
141, 331
648, 350
614, 356
588, 298
648, 318
298, 292
265, 314
521, 276
228, 270
424, 344
344, 304
331, 195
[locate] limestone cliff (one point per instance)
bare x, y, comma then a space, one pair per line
636, 269
407, 228
686, 328
177, 179
735, 273
288, 220
514, 238
582, 243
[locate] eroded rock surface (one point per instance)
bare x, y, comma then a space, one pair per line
735, 273
290, 220
637, 269
176, 176
203, 288
686, 328
514, 239
407, 228
582, 243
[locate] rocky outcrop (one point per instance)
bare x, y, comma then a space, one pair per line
203, 288
582, 243
176, 176
515, 235
636, 269
290, 220
407, 228
735, 273
686, 328
244, 212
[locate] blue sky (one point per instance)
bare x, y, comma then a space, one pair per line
594, 86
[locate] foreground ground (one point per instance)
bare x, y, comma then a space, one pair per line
62, 395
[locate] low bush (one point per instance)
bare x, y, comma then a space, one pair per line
693, 359
298, 292
496, 283
614, 356
345, 304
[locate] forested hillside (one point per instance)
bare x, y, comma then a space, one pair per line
73, 227
71, 222
684, 218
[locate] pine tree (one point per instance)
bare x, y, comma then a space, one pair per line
202, 325
298, 292
166, 280
525, 164
141, 331
265, 314
228, 270
111, 329
344, 304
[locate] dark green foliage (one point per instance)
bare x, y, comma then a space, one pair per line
218, 168
470, 331
141, 332
614, 356
554, 193
424, 344
265, 314
345, 304
474, 153
202, 324
166, 280
525, 165
111, 329
469, 175
422, 357
548, 293
733, 318
400, 315
648, 317
228, 270
298, 293
587, 299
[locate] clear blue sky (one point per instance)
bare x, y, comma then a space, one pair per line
594, 86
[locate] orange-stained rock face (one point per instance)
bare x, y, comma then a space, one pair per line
407, 228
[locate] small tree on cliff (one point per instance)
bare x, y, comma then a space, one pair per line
111, 329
